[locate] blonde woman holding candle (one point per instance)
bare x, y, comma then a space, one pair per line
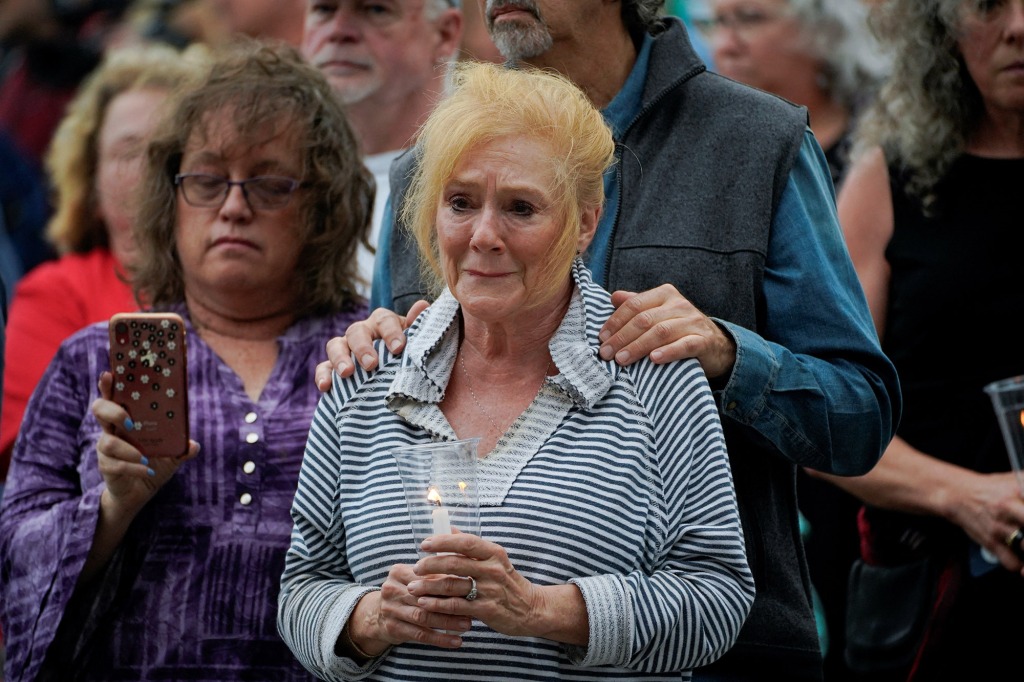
610, 543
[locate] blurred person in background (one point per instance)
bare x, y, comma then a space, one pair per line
179, 23
692, 12
816, 53
387, 64
94, 165
820, 54
119, 566
47, 47
931, 212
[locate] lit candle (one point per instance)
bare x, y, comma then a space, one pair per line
1015, 458
439, 516
439, 520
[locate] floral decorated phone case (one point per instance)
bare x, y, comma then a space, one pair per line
147, 359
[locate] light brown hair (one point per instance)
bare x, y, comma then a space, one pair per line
265, 85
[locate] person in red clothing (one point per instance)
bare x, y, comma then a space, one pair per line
94, 164
47, 48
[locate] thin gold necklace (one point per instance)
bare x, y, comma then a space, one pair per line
480, 405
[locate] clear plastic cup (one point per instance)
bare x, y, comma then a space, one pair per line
440, 484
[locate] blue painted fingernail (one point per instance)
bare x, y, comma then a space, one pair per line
150, 472
129, 424
145, 460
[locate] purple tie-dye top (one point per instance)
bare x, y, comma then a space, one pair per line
191, 593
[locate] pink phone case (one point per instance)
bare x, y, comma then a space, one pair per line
147, 359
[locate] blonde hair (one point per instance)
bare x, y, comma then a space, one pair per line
72, 160
489, 102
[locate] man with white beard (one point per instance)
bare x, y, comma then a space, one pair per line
387, 62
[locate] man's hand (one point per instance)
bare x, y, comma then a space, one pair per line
664, 325
358, 343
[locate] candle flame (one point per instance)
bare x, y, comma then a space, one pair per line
433, 496
1022, 417
462, 484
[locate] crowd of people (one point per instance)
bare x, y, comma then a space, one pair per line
685, 272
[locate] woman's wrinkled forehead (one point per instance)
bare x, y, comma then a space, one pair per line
225, 131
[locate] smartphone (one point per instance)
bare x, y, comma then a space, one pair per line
147, 359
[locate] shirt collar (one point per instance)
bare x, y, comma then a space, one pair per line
429, 358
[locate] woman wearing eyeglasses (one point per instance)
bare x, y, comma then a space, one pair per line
119, 565
816, 53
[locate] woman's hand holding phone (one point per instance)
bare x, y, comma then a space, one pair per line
143, 408
148, 362
131, 477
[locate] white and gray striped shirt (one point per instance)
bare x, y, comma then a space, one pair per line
615, 479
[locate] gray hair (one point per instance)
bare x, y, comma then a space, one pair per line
837, 33
929, 105
643, 15
432, 9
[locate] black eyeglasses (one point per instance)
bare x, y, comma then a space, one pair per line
262, 192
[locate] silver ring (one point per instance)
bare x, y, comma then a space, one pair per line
472, 594
1013, 539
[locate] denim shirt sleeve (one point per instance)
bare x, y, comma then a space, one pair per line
814, 383
380, 291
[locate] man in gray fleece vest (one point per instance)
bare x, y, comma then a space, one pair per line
721, 211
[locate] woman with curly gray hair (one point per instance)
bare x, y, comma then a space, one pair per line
817, 53
931, 214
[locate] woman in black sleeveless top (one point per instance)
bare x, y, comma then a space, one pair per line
931, 209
